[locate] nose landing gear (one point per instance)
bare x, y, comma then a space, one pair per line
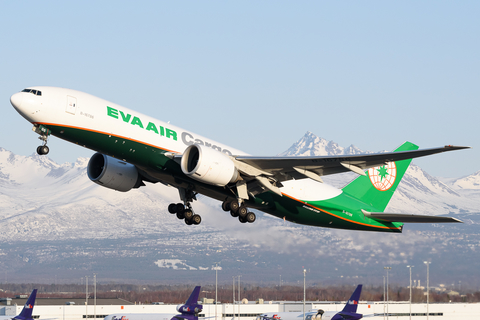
44, 133
42, 150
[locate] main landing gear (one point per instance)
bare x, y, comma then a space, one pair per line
184, 210
238, 210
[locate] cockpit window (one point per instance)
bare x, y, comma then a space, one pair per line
33, 91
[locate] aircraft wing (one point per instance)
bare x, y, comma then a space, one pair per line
286, 168
409, 218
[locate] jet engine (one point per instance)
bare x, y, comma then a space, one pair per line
183, 308
113, 173
208, 165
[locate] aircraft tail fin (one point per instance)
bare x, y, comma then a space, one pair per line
28, 308
191, 308
193, 299
352, 303
376, 188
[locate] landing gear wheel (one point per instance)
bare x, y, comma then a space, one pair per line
42, 150
251, 217
225, 206
234, 214
188, 214
180, 215
242, 211
234, 206
184, 209
242, 220
196, 219
180, 208
172, 208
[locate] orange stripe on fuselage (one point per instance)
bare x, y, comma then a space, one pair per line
105, 133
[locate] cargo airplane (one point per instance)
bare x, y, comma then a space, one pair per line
133, 148
348, 312
26, 313
188, 311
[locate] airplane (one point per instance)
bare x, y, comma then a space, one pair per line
188, 311
348, 312
27, 310
133, 148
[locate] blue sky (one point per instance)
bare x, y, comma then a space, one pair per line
259, 75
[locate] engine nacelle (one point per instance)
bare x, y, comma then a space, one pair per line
208, 165
112, 173
183, 308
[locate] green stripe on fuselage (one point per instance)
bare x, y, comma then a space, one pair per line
118, 147
331, 213
146, 157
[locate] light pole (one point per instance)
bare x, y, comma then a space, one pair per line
387, 268
239, 297
95, 296
428, 289
86, 297
304, 273
410, 267
233, 305
216, 288
384, 298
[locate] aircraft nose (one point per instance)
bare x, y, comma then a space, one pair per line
16, 100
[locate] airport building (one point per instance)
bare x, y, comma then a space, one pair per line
77, 309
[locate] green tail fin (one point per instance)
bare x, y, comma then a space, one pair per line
377, 187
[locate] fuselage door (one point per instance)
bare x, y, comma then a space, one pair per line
71, 105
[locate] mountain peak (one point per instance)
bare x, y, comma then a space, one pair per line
313, 145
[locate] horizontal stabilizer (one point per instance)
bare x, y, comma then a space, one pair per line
409, 218
352, 315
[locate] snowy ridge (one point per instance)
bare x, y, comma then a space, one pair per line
42, 199
311, 145
471, 182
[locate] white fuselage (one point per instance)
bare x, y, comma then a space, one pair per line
75, 109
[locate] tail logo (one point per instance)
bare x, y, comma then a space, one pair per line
383, 177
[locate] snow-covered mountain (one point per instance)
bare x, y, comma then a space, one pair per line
312, 145
42, 199
55, 222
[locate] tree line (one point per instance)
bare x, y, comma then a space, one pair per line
179, 293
